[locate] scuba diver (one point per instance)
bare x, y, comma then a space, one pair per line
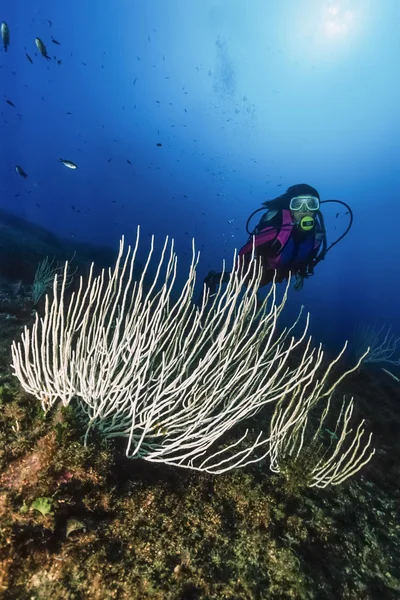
290, 238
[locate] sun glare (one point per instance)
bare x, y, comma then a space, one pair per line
327, 30
337, 22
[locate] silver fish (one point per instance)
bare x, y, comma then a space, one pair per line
42, 48
69, 164
21, 171
5, 35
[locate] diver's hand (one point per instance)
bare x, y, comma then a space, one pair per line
298, 284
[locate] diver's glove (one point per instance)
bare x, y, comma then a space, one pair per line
299, 281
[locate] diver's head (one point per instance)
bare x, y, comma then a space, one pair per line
303, 205
303, 202
303, 209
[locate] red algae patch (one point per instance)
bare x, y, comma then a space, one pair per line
25, 471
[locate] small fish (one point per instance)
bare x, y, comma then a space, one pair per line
10, 103
68, 164
159, 144
109, 160
55, 42
50, 23
68, 113
128, 161
21, 172
337, 214
135, 80
42, 48
59, 62
5, 35
29, 58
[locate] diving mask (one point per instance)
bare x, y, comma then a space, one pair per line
304, 202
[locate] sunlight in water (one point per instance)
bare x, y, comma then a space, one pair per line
338, 21
327, 30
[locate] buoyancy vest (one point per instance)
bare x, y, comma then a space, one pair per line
288, 253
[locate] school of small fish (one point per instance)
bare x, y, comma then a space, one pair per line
40, 45
39, 51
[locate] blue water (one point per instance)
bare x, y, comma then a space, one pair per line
246, 98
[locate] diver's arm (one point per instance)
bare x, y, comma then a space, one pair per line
307, 268
305, 271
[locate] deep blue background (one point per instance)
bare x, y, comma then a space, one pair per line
246, 98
